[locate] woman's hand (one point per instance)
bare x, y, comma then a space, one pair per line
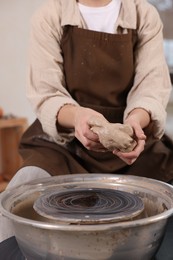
137, 119
77, 117
83, 129
140, 137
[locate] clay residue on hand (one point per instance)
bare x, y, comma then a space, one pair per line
113, 136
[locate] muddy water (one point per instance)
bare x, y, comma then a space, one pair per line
152, 207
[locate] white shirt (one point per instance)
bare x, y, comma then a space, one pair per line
103, 18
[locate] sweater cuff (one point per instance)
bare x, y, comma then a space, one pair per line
158, 117
48, 118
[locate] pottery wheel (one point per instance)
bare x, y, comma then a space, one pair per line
89, 206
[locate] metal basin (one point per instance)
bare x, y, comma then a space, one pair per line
42, 238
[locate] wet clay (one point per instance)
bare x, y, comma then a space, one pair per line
113, 136
152, 206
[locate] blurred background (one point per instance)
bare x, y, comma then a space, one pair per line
15, 18
165, 8
14, 39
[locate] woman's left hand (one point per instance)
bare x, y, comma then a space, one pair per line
140, 137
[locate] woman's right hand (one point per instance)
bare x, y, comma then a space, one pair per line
83, 132
77, 117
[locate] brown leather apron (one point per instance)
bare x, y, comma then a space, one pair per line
99, 73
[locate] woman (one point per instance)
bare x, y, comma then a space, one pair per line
96, 58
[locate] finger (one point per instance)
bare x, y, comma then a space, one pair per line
141, 136
128, 155
91, 135
128, 161
131, 157
86, 135
136, 152
140, 147
140, 133
126, 158
91, 145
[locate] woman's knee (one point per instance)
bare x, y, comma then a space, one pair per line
27, 174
